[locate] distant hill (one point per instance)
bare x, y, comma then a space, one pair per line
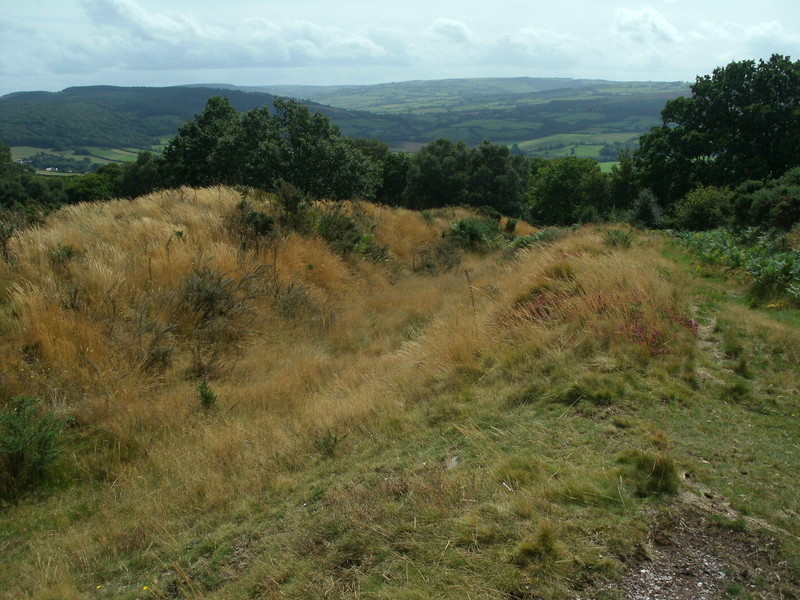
109, 116
544, 117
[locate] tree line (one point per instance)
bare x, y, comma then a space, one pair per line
727, 155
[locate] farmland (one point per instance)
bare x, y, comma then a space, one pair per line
543, 117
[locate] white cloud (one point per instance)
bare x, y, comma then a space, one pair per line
456, 32
537, 47
644, 26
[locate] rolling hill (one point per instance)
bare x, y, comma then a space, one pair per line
543, 117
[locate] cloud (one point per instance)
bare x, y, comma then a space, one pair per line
456, 32
644, 26
537, 47
161, 41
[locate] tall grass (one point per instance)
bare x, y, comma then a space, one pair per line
158, 296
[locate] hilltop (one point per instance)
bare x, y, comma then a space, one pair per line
255, 398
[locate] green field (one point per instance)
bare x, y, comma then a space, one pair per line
544, 117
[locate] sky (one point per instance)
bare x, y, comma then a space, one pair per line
53, 44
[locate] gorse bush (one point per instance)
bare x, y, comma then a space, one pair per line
345, 233
209, 293
544, 236
474, 233
250, 224
28, 445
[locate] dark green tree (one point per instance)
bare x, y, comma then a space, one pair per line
139, 177
204, 152
496, 179
103, 184
314, 156
262, 148
394, 168
20, 187
438, 175
622, 185
568, 190
741, 122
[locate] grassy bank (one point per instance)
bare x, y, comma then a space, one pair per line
280, 416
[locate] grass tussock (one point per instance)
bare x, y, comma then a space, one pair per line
249, 408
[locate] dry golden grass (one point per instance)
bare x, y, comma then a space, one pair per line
315, 343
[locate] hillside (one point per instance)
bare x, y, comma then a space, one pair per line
119, 117
260, 399
544, 117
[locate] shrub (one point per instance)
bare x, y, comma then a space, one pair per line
543, 236
703, 208
250, 224
61, 255
294, 212
6, 231
645, 210
474, 233
438, 257
209, 293
28, 445
617, 238
345, 234
207, 396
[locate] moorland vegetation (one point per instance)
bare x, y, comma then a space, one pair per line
226, 374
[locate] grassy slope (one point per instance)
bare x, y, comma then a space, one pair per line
380, 433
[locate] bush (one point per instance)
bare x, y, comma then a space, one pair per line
209, 293
345, 234
250, 224
474, 233
207, 397
437, 258
543, 236
645, 210
703, 208
617, 238
28, 445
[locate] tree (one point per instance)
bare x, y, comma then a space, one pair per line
703, 208
567, 191
742, 122
438, 175
394, 178
623, 188
103, 184
262, 148
203, 152
496, 178
443, 173
21, 187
